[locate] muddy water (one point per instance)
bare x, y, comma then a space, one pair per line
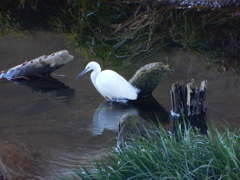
47, 126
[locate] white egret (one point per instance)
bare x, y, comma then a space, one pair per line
110, 84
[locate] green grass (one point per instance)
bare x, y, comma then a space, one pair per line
119, 32
113, 31
185, 155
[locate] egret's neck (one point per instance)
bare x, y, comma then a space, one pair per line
94, 75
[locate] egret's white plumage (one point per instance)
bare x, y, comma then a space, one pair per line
110, 84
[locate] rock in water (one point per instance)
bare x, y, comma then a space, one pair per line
39, 67
132, 127
148, 77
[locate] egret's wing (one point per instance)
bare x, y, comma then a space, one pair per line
114, 86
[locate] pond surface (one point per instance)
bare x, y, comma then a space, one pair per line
48, 126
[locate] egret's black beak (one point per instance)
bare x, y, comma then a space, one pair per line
83, 72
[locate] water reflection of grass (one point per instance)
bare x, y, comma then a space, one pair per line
189, 155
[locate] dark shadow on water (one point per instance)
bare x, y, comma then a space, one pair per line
107, 115
197, 122
150, 110
50, 86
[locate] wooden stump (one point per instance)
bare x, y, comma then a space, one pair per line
189, 103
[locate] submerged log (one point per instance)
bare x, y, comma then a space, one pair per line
37, 68
148, 77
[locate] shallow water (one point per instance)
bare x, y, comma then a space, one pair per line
47, 126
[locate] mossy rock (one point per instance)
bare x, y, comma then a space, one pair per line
148, 77
132, 127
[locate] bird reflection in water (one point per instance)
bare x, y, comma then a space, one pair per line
107, 115
122, 96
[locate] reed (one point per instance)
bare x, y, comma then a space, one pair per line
185, 155
129, 33
116, 31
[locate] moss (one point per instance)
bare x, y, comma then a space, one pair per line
148, 77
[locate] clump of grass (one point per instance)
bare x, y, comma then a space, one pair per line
131, 32
8, 24
118, 31
185, 155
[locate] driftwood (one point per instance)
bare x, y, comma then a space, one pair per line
189, 103
37, 68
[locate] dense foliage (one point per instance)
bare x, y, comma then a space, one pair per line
186, 155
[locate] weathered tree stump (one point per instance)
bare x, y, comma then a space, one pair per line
37, 68
189, 104
189, 99
148, 77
